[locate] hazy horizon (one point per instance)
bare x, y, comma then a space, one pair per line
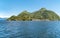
14, 7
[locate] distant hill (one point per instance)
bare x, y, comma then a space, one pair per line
42, 14
3, 18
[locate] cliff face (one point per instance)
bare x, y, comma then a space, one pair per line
41, 14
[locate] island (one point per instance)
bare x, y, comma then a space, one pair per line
42, 14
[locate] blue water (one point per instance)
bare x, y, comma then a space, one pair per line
29, 29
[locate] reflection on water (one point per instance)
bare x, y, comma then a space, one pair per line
29, 29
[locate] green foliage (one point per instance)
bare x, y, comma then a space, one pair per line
41, 14
12, 18
45, 14
24, 15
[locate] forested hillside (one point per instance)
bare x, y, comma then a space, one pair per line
42, 14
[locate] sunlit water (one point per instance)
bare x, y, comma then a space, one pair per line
29, 29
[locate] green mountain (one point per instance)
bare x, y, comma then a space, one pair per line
23, 16
42, 14
45, 14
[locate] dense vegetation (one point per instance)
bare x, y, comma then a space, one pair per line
42, 14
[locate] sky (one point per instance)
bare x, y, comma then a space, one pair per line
14, 7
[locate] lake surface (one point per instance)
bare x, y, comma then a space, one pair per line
29, 29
